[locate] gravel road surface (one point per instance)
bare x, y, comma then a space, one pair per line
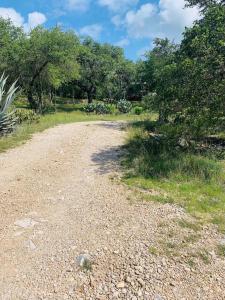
70, 230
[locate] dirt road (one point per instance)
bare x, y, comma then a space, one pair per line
58, 201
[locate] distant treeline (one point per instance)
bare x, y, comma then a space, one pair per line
184, 84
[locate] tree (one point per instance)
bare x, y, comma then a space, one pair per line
158, 71
91, 68
11, 40
201, 73
48, 59
101, 70
120, 80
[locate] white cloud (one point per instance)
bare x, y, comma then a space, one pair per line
81, 5
93, 31
123, 43
167, 19
13, 15
117, 20
118, 5
138, 22
34, 18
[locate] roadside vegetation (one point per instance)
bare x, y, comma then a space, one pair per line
168, 173
180, 158
174, 97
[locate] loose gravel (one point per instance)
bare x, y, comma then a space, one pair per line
70, 230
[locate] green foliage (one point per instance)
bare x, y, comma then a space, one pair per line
138, 110
203, 4
124, 106
221, 250
149, 100
189, 177
155, 156
7, 120
26, 115
90, 108
100, 108
188, 80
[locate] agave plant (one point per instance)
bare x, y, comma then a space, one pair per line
7, 120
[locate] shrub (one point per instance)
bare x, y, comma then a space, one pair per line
89, 108
112, 108
124, 106
149, 100
48, 108
26, 115
102, 109
138, 110
156, 156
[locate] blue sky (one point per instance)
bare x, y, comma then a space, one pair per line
131, 24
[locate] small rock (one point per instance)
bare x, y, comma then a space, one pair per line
26, 223
30, 245
222, 242
121, 285
139, 293
164, 262
128, 280
84, 261
141, 281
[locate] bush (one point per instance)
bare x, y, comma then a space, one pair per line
138, 110
26, 115
157, 156
100, 108
112, 108
149, 100
124, 106
89, 108
48, 108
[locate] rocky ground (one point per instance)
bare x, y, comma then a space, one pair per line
70, 230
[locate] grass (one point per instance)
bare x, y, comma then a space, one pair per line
221, 250
190, 225
67, 113
153, 250
193, 180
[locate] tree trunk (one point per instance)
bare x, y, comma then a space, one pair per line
31, 100
33, 104
90, 94
90, 98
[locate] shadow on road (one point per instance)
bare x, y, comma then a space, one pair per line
107, 160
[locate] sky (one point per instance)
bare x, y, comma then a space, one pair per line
131, 24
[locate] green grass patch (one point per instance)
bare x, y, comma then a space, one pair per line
153, 250
190, 225
221, 250
191, 179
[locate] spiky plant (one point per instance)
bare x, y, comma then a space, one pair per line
7, 120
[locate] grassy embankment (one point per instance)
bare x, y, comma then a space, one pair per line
194, 180
66, 113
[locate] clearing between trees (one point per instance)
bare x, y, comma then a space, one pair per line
71, 230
